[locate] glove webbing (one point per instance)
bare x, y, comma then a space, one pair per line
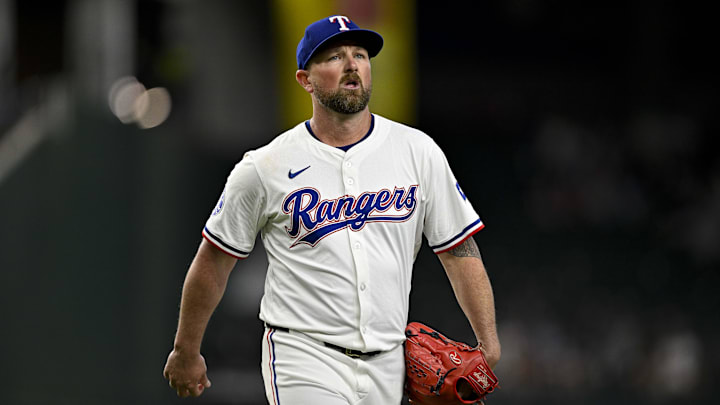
436, 335
441, 381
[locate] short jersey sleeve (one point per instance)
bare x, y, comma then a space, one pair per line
238, 215
449, 216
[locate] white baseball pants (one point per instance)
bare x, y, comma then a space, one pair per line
300, 370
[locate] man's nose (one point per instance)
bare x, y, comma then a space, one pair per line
351, 64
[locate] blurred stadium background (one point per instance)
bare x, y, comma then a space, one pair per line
582, 132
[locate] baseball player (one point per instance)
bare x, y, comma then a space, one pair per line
341, 202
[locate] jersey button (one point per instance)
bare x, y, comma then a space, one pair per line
350, 181
357, 245
348, 164
363, 287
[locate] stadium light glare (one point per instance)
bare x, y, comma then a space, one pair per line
131, 102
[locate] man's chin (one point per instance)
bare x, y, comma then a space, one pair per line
357, 92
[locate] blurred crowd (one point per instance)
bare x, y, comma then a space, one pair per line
657, 172
622, 306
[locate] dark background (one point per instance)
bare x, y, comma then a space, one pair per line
581, 132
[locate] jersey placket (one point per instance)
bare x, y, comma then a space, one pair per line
357, 247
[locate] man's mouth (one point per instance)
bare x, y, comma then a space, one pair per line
351, 84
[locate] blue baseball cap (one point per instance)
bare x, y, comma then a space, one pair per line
337, 26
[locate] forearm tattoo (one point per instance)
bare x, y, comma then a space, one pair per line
466, 249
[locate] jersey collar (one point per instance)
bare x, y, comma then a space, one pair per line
346, 147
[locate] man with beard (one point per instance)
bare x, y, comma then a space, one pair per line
342, 202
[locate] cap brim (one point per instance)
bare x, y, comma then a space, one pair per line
370, 40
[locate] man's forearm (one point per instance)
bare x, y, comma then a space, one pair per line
202, 291
473, 291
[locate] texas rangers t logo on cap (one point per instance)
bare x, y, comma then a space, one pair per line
341, 19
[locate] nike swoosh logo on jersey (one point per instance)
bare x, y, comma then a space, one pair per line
292, 175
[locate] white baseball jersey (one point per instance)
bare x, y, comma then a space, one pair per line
342, 229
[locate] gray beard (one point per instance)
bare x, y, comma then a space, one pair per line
344, 101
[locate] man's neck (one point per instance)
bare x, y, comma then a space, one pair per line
337, 129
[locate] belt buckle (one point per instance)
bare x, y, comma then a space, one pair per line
349, 353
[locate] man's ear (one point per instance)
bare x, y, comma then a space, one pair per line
302, 77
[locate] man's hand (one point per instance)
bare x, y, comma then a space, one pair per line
187, 373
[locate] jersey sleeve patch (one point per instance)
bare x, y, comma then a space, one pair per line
225, 247
220, 205
456, 240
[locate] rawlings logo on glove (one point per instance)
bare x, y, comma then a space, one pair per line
443, 371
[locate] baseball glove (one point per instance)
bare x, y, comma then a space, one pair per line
443, 371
